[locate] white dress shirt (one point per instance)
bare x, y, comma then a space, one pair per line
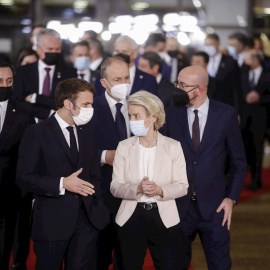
257, 74
124, 110
202, 114
63, 125
158, 78
86, 74
146, 167
3, 110
241, 58
213, 64
95, 64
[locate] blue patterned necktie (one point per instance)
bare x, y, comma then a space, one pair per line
120, 122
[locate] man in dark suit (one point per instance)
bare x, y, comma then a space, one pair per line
151, 63
13, 122
256, 99
34, 84
111, 126
207, 130
139, 80
202, 59
58, 162
226, 72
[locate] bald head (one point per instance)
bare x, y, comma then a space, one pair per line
194, 80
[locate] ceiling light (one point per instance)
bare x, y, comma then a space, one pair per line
140, 6
95, 26
197, 3
7, 2
106, 35
80, 4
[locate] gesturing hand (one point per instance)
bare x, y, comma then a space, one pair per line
226, 205
76, 185
150, 188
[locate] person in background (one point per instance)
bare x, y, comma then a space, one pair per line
207, 130
13, 122
256, 100
33, 37
81, 60
138, 79
27, 56
111, 126
151, 63
149, 173
201, 59
226, 72
34, 84
58, 162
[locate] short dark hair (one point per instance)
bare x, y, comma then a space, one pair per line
107, 62
204, 55
213, 36
154, 38
80, 43
69, 89
153, 59
240, 37
95, 43
4, 64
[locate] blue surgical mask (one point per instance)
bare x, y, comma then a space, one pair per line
210, 50
138, 128
232, 51
82, 63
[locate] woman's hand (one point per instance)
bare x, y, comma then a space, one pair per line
150, 188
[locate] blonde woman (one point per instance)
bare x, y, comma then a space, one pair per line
149, 173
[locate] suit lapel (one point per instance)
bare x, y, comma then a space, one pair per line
81, 142
134, 157
158, 157
56, 79
9, 120
35, 77
57, 132
183, 122
210, 123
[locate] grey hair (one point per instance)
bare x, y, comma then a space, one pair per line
152, 104
129, 40
49, 32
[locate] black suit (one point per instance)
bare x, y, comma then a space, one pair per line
15, 122
165, 91
253, 123
45, 157
26, 82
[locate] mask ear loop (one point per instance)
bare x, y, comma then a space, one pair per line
74, 105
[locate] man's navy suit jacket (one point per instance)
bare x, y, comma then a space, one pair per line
142, 81
107, 138
45, 157
206, 168
26, 82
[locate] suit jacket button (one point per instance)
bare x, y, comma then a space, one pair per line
76, 196
194, 162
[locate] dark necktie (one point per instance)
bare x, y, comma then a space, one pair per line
81, 75
73, 145
120, 122
252, 80
46, 90
196, 132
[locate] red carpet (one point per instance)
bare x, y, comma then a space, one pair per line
148, 265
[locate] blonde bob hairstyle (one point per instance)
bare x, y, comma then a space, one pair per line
152, 104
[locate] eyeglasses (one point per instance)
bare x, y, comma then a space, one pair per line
183, 86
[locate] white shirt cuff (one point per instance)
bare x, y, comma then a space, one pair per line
61, 189
103, 155
33, 98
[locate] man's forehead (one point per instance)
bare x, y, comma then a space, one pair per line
5, 72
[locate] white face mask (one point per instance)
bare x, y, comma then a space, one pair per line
82, 63
138, 128
210, 50
84, 116
119, 91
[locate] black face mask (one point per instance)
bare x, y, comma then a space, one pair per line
181, 98
126, 57
173, 54
51, 58
5, 93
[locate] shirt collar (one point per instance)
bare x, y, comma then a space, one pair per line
63, 124
112, 102
158, 78
4, 104
94, 65
42, 65
203, 108
132, 71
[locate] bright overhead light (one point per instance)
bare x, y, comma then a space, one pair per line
116, 28
140, 6
183, 38
187, 20
188, 28
146, 19
95, 26
171, 19
210, 30
27, 29
145, 28
7, 2
66, 30
106, 35
266, 10
53, 24
75, 35
197, 3
26, 21
80, 4
168, 28
139, 36
241, 21
124, 19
